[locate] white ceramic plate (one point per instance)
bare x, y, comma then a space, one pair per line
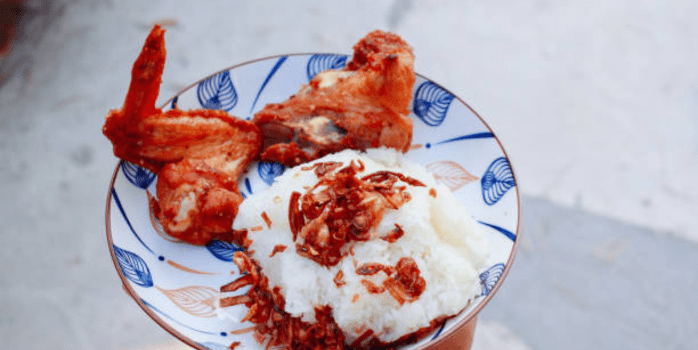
178, 284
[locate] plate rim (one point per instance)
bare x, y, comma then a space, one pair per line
446, 334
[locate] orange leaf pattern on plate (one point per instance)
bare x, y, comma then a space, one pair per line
195, 300
188, 269
451, 174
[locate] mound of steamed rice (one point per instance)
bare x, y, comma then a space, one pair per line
439, 235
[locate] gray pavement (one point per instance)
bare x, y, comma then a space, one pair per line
601, 264
581, 281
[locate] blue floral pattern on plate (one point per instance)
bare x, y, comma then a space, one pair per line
173, 281
489, 278
217, 92
269, 171
431, 103
497, 180
139, 176
222, 250
322, 62
133, 267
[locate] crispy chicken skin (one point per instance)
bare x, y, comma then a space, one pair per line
364, 105
198, 154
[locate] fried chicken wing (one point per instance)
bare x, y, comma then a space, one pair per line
198, 154
365, 105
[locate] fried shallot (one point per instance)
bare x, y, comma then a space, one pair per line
342, 208
273, 325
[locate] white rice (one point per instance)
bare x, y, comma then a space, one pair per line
442, 238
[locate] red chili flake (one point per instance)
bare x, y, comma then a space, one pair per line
406, 284
365, 335
279, 248
277, 297
266, 218
234, 345
339, 279
257, 228
236, 300
371, 287
381, 176
244, 280
408, 274
432, 192
394, 289
259, 337
295, 217
394, 235
369, 269
355, 298
323, 168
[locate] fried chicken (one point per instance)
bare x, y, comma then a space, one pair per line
364, 105
198, 154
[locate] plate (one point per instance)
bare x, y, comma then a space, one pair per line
177, 284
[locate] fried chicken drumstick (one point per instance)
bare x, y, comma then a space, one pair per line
365, 105
198, 154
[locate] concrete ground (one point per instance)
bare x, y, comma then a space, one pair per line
596, 103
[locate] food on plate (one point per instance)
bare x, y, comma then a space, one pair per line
354, 250
198, 155
354, 247
364, 105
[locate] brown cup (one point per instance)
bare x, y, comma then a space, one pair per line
461, 339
